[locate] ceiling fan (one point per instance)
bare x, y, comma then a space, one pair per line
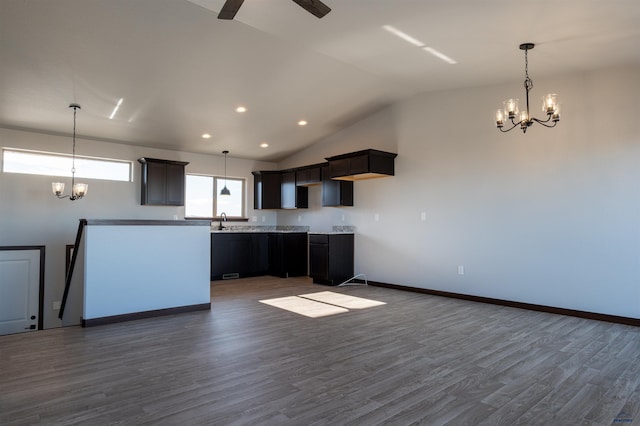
315, 7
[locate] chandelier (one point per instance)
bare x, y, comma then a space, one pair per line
511, 111
78, 190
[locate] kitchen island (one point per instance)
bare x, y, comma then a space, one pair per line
130, 269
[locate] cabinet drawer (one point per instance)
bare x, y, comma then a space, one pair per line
318, 239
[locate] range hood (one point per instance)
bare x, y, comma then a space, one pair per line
360, 165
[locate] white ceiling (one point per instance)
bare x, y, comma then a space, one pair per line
182, 72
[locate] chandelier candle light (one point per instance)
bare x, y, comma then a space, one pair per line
78, 190
510, 111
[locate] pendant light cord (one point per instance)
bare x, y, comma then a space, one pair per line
73, 158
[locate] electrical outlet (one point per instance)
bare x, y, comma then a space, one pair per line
254, 218
423, 216
376, 217
343, 218
460, 269
299, 218
56, 305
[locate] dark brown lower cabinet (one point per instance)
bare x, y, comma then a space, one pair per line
331, 258
288, 254
238, 255
250, 254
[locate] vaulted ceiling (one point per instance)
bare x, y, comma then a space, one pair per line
181, 72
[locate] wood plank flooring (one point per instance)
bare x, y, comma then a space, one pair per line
419, 359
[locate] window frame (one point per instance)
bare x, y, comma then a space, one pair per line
214, 195
68, 173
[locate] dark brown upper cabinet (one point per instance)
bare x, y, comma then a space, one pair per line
366, 164
266, 189
335, 193
162, 182
278, 190
309, 175
291, 195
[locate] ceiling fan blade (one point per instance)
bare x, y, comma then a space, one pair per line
229, 9
315, 7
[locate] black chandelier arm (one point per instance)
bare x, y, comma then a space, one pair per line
544, 123
510, 128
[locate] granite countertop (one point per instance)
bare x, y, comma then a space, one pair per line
244, 229
331, 232
280, 229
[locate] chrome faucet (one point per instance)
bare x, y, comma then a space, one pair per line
223, 216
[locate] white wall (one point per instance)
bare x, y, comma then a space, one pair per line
31, 215
549, 217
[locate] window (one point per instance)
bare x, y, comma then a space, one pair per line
203, 197
51, 164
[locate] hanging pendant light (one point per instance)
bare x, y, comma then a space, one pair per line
510, 111
225, 190
78, 190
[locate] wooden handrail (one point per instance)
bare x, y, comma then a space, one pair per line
72, 265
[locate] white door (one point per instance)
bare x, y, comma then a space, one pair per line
19, 290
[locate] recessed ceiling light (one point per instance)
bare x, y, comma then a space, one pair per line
440, 55
206, 136
241, 109
264, 145
302, 123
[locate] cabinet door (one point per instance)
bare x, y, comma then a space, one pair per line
260, 254
335, 193
162, 182
341, 257
230, 254
175, 185
155, 188
319, 261
266, 190
220, 255
276, 255
346, 193
288, 190
295, 254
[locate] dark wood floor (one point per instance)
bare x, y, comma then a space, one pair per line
418, 359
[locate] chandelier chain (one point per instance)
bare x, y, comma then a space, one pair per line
528, 83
